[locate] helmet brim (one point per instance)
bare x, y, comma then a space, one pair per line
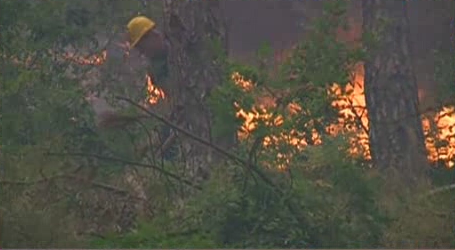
135, 42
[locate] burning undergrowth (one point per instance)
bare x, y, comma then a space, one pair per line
352, 120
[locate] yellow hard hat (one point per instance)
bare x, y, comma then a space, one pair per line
137, 27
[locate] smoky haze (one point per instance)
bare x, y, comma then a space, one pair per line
281, 23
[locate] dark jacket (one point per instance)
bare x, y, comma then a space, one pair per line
157, 51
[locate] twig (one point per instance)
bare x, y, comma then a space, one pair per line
25, 183
150, 140
247, 165
165, 145
440, 189
98, 184
358, 117
106, 158
252, 157
243, 162
71, 176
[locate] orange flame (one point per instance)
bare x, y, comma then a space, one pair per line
353, 118
239, 80
87, 60
155, 94
350, 101
440, 136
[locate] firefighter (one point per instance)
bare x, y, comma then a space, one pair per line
150, 42
145, 37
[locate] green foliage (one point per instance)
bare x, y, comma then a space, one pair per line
44, 110
325, 199
316, 63
325, 59
445, 76
40, 104
418, 220
222, 100
322, 206
153, 236
25, 226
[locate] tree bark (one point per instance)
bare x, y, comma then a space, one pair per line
193, 28
396, 134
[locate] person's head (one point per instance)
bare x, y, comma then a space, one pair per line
139, 29
145, 37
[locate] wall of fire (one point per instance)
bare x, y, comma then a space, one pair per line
283, 22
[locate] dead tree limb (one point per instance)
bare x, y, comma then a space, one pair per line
244, 163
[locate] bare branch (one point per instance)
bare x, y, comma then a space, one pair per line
357, 116
107, 158
441, 189
99, 184
231, 156
74, 177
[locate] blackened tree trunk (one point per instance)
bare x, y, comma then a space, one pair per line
195, 29
396, 134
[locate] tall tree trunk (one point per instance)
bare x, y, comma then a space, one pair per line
396, 134
193, 28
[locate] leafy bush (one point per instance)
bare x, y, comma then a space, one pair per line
325, 204
322, 198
